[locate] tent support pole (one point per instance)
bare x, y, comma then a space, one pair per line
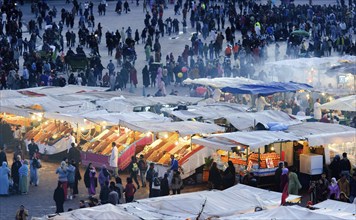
78, 133
247, 157
259, 158
280, 149
191, 145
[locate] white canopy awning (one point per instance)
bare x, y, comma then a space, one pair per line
59, 91
245, 120
10, 94
221, 82
315, 132
130, 117
183, 128
208, 204
319, 133
253, 139
284, 212
107, 211
123, 104
234, 201
207, 112
337, 206
347, 103
16, 111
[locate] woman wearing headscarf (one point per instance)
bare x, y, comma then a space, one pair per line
77, 178
334, 190
284, 178
62, 176
215, 176
104, 176
229, 175
335, 167
90, 180
4, 179
34, 165
15, 172
59, 197
176, 183
23, 173
293, 183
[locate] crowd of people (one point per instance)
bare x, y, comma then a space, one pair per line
229, 38
240, 31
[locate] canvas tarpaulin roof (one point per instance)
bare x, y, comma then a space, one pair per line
241, 85
337, 206
121, 104
59, 91
233, 201
316, 133
117, 118
245, 120
207, 112
282, 213
236, 200
319, 133
107, 211
16, 111
347, 103
221, 82
266, 88
253, 139
183, 128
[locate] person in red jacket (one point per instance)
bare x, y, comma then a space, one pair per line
129, 190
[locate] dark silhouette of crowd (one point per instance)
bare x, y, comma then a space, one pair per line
230, 38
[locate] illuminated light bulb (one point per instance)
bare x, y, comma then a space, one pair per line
272, 148
62, 121
239, 147
176, 143
165, 136
104, 127
148, 134
82, 129
323, 93
33, 117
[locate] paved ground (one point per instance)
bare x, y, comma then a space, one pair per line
112, 21
40, 202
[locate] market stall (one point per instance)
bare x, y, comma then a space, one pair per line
327, 140
51, 136
302, 145
175, 139
249, 151
129, 141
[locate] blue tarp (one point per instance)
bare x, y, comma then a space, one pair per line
267, 88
